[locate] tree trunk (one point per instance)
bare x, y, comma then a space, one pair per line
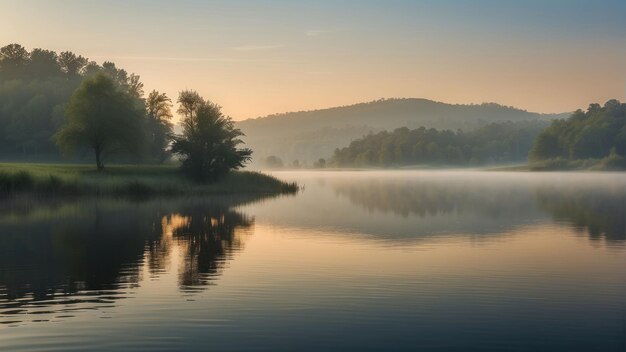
99, 163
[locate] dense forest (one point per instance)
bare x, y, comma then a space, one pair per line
599, 132
35, 88
505, 142
307, 136
53, 102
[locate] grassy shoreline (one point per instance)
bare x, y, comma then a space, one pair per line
128, 180
609, 163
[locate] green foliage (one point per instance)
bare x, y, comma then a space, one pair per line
612, 162
103, 117
35, 86
595, 134
208, 145
494, 143
159, 126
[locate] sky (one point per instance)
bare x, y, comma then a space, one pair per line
256, 58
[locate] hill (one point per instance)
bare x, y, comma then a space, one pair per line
309, 135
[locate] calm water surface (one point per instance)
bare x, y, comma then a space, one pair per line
404, 260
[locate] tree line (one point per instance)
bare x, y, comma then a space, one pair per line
502, 142
50, 100
35, 87
597, 133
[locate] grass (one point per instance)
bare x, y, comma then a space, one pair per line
612, 162
128, 180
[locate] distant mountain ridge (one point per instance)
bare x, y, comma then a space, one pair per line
309, 135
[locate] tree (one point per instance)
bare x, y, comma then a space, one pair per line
101, 116
492, 143
13, 60
135, 87
597, 133
71, 64
208, 145
43, 64
320, 163
34, 89
274, 162
159, 129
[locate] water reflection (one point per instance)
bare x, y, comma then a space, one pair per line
58, 257
411, 206
208, 234
461, 260
599, 213
598, 210
426, 198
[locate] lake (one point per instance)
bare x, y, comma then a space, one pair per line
370, 260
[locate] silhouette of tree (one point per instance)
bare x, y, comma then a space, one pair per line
71, 64
159, 129
13, 60
209, 143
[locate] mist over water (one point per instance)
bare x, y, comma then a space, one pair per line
417, 205
367, 260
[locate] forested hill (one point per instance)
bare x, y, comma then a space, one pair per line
495, 143
309, 135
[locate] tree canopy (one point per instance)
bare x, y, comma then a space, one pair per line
506, 142
159, 113
591, 134
102, 116
35, 86
208, 146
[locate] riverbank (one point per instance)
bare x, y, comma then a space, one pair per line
128, 180
610, 163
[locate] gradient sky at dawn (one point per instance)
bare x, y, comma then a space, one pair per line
260, 57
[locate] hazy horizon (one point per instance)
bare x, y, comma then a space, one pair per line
257, 59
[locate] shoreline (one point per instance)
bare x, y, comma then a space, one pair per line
130, 181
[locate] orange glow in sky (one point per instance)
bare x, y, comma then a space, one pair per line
258, 58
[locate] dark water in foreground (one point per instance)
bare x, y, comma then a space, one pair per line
359, 260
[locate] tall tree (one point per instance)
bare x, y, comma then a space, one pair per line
101, 116
159, 115
72, 64
13, 60
135, 87
44, 64
209, 144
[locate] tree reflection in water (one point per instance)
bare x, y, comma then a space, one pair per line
596, 209
209, 235
57, 257
601, 214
